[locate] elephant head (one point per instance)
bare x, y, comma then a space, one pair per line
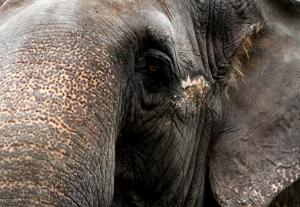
118, 102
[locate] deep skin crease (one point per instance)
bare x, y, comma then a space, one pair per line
117, 103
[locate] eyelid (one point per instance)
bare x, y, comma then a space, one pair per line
156, 54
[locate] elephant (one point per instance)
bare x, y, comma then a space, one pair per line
141, 103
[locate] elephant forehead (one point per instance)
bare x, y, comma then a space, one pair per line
121, 4
119, 8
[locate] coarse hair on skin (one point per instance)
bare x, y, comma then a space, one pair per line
242, 56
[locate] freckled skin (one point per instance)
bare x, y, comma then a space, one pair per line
81, 124
52, 89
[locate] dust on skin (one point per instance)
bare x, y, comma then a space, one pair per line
196, 88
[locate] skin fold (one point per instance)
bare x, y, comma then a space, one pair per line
149, 103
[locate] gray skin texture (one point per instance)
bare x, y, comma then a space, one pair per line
97, 107
257, 156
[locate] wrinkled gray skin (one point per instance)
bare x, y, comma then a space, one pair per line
117, 103
258, 155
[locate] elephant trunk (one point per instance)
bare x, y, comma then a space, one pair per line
59, 112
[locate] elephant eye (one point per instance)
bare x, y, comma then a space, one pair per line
154, 67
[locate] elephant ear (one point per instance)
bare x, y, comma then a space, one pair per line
257, 155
